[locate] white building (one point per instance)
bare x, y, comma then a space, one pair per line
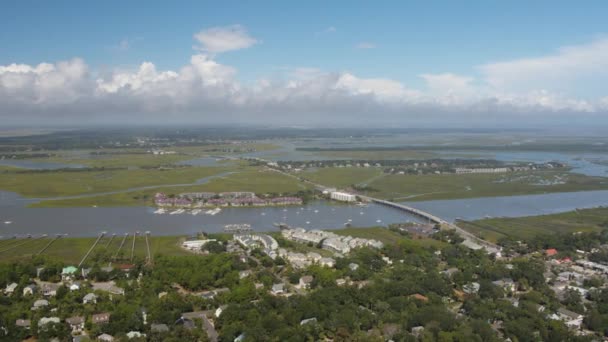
195, 245
343, 196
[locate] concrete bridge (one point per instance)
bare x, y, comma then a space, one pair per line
471, 240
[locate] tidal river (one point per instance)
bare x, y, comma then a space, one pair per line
17, 219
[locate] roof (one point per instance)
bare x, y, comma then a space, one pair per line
90, 296
41, 302
69, 270
101, 317
23, 322
159, 328
105, 337
306, 279
278, 287
420, 297
75, 320
550, 252
568, 313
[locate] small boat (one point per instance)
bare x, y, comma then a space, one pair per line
160, 211
263, 214
214, 211
178, 211
350, 220
196, 212
8, 222
316, 211
307, 222
284, 209
378, 221
360, 213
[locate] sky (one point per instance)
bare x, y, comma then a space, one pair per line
387, 63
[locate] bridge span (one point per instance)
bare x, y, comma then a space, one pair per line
471, 240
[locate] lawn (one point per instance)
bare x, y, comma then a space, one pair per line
452, 186
342, 177
71, 250
243, 179
70, 183
526, 227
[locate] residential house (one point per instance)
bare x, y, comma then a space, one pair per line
23, 323
68, 273
75, 286
471, 288
76, 323
159, 328
101, 318
572, 319
10, 288
353, 267
135, 334
278, 289
89, 298
327, 262
551, 252
308, 320
50, 289
305, 281
29, 290
46, 320
105, 338
40, 303
219, 310
508, 285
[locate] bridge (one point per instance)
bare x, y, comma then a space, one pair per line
470, 240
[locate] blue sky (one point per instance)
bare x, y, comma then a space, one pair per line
389, 40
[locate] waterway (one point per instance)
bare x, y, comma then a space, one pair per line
316, 215
38, 165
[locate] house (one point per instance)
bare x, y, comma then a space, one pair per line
68, 272
551, 252
29, 290
305, 281
278, 288
76, 323
23, 323
75, 286
89, 298
327, 262
135, 334
308, 320
244, 274
471, 288
105, 338
40, 303
159, 328
50, 289
10, 288
219, 310
506, 284
341, 282
101, 318
353, 267
46, 320
572, 319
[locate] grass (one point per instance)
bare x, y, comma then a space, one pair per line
451, 186
71, 250
244, 179
526, 227
342, 177
70, 183
378, 155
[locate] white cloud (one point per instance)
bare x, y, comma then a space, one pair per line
566, 65
365, 45
204, 90
222, 39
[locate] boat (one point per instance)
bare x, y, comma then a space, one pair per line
8, 222
360, 213
361, 204
316, 211
160, 211
307, 222
347, 224
178, 211
214, 211
378, 221
196, 212
263, 214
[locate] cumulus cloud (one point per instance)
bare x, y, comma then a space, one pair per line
223, 39
207, 91
566, 65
